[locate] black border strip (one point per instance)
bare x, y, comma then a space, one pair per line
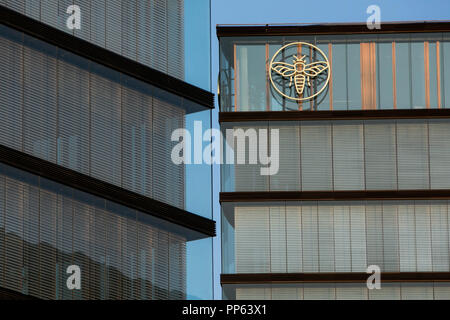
280, 278
330, 28
334, 115
265, 196
107, 58
180, 221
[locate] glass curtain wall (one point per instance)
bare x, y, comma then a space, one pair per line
397, 71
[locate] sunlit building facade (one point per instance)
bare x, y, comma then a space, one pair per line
363, 173
86, 177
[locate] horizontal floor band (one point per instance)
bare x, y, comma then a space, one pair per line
105, 57
330, 28
7, 294
180, 221
262, 196
333, 115
261, 278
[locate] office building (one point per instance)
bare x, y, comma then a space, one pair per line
86, 177
363, 120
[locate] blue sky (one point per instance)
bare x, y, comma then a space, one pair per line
299, 11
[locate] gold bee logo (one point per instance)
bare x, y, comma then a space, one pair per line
301, 72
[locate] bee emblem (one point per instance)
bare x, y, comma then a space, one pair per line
299, 72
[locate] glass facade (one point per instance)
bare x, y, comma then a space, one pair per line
155, 33
393, 71
335, 158
346, 155
340, 291
336, 236
66, 109
122, 253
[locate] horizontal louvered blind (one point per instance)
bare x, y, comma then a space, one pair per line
412, 141
11, 88
342, 291
153, 28
439, 135
45, 227
168, 178
83, 116
316, 156
247, 169
73, 112
40, 99
288, 176
252, 240
2, 230
398, 236
137, 124
346, 155
105, 125
380, 155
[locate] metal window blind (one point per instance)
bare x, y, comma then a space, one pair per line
348, 155
73, 112
310, 237
146, 261
177, 261
168, 178
252, 240
97, 252
129, 29
159, 28
316, 156
253, 294
130, 259
13, 234
358, 236
90, 119
98, 22
278, 258
342, 242
31, 231
326, 236
343, 291
2, 230
398, 236
288, 176
144, 33
114, 26
439, 132
11, 88
64, 244
137, 137
39, 113
412, 140
47, 244
161, 266
86, 19
294, 244
49, 13
439, 236
247, 176
105, 148
81, 243
175, 38
390, 236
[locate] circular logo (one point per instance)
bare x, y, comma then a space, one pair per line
299, 71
